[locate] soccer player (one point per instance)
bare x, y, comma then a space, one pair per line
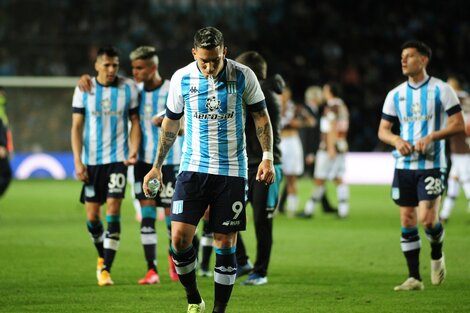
101, 151
215, 94
428, 111
315, 105
330, 161
293, 117
153, 96
5, 146
459, 174
262, 197
153, 93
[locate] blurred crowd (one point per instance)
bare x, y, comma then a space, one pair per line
308, 42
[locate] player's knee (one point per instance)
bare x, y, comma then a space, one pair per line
180, 240
224, 240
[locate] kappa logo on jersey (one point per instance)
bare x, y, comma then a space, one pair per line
193, 89
212, 103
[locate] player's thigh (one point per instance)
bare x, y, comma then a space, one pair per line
164, 197
460, 167
404, 188
292, 161
227, 204
430, 184
140, 170
323, 165
189, 199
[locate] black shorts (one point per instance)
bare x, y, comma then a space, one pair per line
104, 181
411, 186
225, 195
169, 173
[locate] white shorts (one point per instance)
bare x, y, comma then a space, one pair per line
460, 167
292, 156
328, 169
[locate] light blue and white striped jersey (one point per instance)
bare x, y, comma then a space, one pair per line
151, 103
215, 111
421, 110
106, 111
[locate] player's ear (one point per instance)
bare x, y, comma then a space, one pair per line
194, 53
225, 51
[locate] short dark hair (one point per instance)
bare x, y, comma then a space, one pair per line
255, 61
208, 37
109, 51
418, 45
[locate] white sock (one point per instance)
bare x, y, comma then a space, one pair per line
342, 192
292, 204
312, 202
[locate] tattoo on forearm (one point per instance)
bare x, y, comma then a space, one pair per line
166, 140
264, 132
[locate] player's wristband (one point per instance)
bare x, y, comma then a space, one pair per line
268, 156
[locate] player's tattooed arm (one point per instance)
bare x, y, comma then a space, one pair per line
264, 130
168, 134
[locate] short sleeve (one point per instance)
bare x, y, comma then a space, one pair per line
448, 97
77, 101
175, 102
253, 93
389, 107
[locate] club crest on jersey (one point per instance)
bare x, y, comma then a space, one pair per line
231, 87
212, 103
148, 109
416, 108
106, 104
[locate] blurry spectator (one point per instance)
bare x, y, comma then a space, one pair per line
330, 162
293, 117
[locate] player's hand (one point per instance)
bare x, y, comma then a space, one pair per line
153, 173
266, 172
331, 153
157, 120
132, 160
85, 83
3, 152
81, 172
422, 144
403, 146
310, 159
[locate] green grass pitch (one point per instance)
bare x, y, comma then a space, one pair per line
47, 260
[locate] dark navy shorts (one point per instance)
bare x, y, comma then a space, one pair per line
225, 195
169, 172
411, 186
104, 181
